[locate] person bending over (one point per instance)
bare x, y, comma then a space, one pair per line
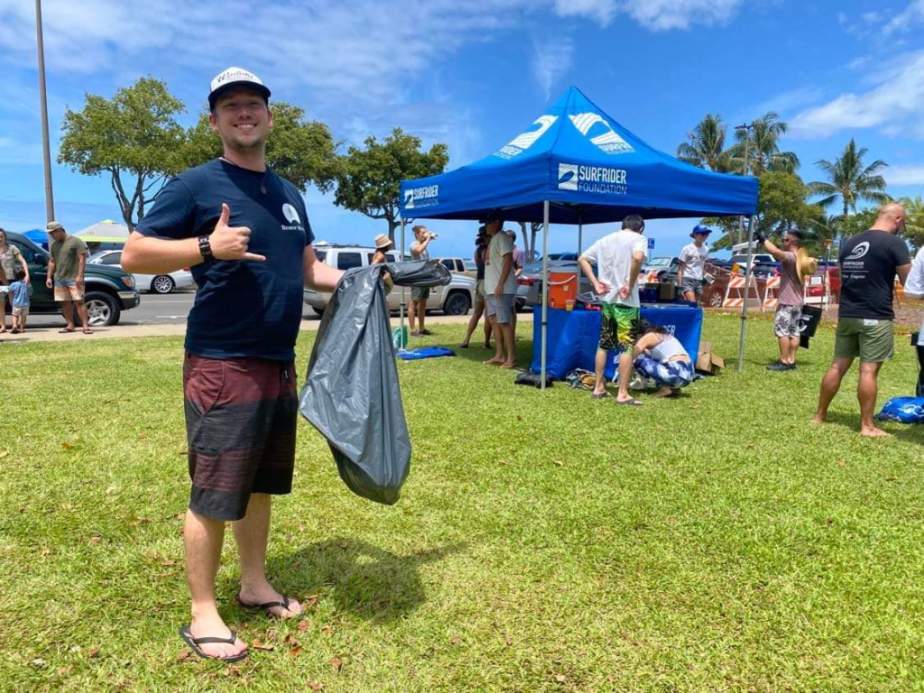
660, 356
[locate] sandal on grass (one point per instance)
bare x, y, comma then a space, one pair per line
599, 395
195, 643
631, 402
265, 606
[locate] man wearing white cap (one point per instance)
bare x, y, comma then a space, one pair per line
245, 233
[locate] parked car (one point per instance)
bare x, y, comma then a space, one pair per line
109, 290
456, 298
153, 283
458, 265
764, 264
659, 270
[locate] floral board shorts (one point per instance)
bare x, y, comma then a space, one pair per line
787, 321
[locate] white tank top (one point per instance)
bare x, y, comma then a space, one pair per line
668, 348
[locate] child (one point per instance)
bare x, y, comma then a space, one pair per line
19, 297
661, 357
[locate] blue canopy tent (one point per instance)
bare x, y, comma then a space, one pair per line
38, 237
576, 165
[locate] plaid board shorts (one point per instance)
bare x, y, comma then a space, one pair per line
241, 416
619, 327
787, 321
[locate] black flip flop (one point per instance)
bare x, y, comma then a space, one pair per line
265, 606
194, 643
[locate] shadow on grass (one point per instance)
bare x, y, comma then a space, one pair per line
360, 578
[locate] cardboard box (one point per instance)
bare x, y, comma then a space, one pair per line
706, 361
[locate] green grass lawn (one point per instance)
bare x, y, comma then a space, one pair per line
544, 540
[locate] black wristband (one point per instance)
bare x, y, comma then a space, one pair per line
205, 248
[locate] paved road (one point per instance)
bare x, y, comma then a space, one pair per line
154, 309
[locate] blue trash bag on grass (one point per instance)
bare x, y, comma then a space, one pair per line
351, 392
903, 409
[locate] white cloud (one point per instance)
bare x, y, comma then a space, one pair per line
895, 101
600, 11
663, 15
905, 20
551, 60
904, 175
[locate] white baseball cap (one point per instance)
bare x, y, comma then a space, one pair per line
234, 77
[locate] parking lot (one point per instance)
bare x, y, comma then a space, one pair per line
155, 309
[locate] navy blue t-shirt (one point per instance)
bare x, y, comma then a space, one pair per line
868, 263
242, 308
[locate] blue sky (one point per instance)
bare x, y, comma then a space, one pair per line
473, 75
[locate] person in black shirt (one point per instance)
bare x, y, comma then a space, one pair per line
245, 233
481, 249
869, 264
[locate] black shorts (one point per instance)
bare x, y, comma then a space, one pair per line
241, 415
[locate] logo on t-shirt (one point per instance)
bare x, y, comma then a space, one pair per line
291, 214
859, 251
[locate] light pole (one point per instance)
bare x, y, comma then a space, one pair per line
46, 149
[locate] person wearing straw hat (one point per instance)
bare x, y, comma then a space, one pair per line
692, 267
795, 266
382, 245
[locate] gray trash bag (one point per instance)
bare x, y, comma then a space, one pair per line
351, 393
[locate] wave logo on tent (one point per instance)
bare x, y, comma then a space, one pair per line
567, 177
607, 140
604, 180
525, 140
427, 196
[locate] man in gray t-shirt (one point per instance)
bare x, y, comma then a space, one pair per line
788, 318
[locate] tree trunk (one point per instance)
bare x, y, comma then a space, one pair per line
392, 225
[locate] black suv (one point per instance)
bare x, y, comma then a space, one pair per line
109, 290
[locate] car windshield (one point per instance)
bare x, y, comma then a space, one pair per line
659, 262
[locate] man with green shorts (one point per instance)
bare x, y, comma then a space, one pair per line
869, 263
618, 257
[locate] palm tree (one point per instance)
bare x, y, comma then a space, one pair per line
759, 144
914, 220
850, 180
706, 147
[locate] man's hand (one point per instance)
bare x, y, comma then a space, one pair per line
49, 284
499, 291
601, 287
623, 292
81, 282
230, 242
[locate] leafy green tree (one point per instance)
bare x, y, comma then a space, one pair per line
782, 203
759, 144
706, 145
914, 220
302, 151
850, 180
133, 138
369, 179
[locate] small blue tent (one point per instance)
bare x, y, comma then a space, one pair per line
577, 165
587, 166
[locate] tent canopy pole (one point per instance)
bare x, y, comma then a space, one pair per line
545, 289
747, 287
401, 308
